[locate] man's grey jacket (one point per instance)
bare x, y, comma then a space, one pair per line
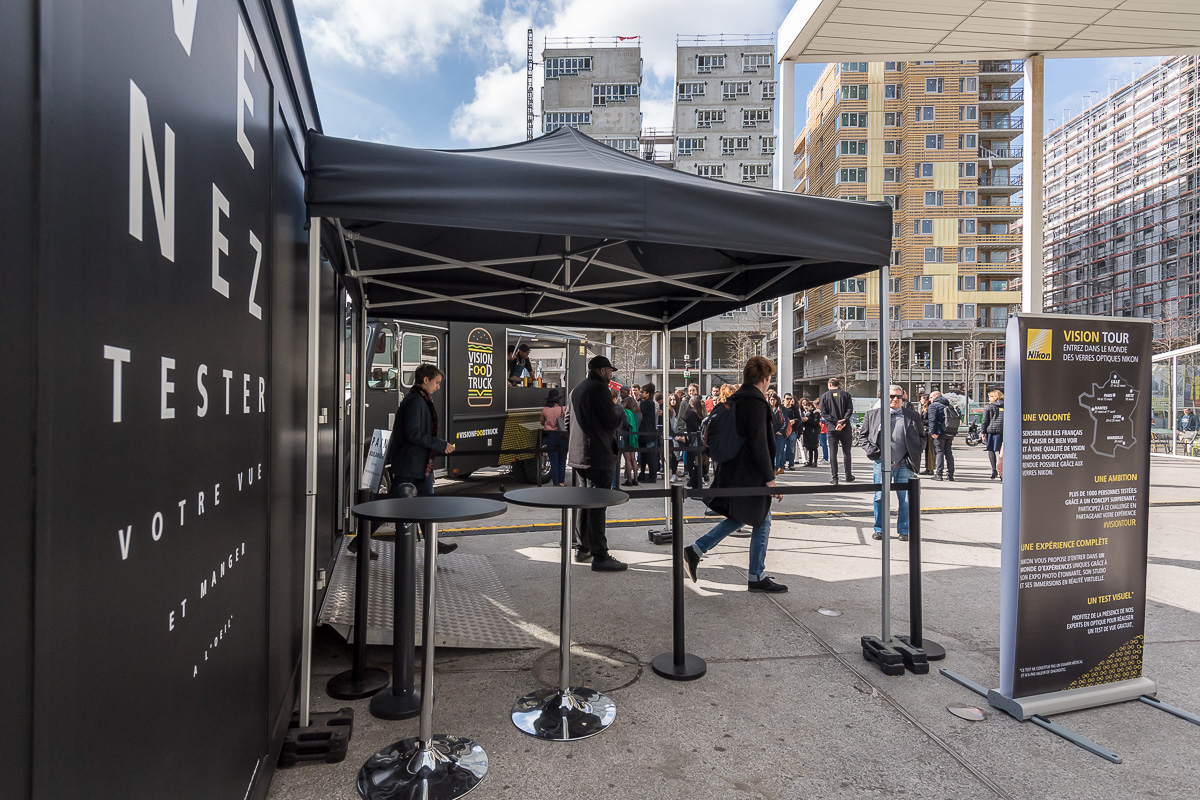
914, 435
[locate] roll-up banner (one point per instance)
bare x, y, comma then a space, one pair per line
1075, 499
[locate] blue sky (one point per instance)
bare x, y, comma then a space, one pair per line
451, 74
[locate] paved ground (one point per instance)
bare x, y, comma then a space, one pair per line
789, 708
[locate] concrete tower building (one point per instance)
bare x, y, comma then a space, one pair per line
936, 140
594, 84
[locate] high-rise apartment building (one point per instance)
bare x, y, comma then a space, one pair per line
725, 107
1122, 208
594, 85
938, 141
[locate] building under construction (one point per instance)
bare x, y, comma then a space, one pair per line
1121, 206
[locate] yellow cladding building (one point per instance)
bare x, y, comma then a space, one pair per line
940, 142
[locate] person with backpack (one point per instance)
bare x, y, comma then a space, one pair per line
742, 442
943, 427
993, 426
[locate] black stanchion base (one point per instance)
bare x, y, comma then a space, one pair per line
661, 535
326, 738
693, 667
883, 655
386, 705
448, 767
343, 686
933, 650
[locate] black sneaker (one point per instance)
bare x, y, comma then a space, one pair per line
607, 563
582, 556
446, 547
877, 536
903, 537
691, 560
849, 479
951, 478
833, 482
766, 585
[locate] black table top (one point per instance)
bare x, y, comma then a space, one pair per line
428, 509
566, 497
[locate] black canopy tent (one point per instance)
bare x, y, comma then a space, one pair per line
564, 230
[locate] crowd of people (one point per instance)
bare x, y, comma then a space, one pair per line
609, 434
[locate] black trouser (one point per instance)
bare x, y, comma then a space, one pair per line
648, 462
590, 521
943, 445
845, 438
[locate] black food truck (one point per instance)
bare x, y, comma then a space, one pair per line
491, 408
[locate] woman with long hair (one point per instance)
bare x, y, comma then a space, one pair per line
810, 430
993, 427
555, 436
779, 429
629, 438
693, 414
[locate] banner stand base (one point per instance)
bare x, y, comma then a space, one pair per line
894, 656
326, 738
1024, 708
1170, 709
661, 535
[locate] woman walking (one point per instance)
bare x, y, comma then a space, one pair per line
555, 437
993, 427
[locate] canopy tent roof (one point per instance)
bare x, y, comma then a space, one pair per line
563, 230
909, 30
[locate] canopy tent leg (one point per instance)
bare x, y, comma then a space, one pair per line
310, 464
1032, 234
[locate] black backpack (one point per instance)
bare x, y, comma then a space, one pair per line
719, 433
951, 420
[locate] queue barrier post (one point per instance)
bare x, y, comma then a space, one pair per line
916, 636
678, 665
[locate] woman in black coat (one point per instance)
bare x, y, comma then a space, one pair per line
693, 415
810, 431
753, 466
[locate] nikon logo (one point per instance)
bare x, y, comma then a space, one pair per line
1038, 348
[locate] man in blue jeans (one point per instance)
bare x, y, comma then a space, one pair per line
753, 466
908, 443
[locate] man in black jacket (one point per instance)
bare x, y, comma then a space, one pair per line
943, 441
592, 453
837, 412
649, 411
415, 442
753, 466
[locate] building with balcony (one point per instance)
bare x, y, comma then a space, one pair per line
940, 142
594, 84
1122, 209
725, 107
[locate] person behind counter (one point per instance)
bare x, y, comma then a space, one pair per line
519, 367
555, 436
415, 443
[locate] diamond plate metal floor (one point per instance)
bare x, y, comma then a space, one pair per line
473, 608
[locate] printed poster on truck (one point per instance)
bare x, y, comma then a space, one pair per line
1076, 483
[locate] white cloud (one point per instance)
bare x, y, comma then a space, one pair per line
392, 36
496, 115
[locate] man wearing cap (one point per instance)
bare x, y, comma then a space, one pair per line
592, 453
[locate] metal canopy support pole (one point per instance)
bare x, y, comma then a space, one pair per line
1032, 233
885, 454
784, 172
310, 465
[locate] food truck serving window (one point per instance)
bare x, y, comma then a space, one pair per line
416, 349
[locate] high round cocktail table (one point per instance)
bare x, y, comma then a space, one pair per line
568, 712
436, 767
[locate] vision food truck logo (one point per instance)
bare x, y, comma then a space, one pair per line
1039, 342
481, 357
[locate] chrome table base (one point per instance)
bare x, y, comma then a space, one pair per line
446, 768
559, 716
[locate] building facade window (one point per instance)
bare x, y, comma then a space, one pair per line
605, 93
923, 227
710, 61
685, 146
967, 169
966, 255
893, 91
891, 174
854, 92
768, 90
966, 311
968, 113
923, 169
897, 256
933, 310
850, 286
935, 85
966, 141
752, 172
965, 198
629, 145
853, 119
852, 175
934, 141
893, 286
707, 117
557, 67
767, 146
967, 283
732, 90
893, 147
752, 62
853, 147
933, 255
688, 90
968, 84
923, 114
923, 283
893, 200
966, 226
753, 117
853, 66
731, 144
570, 119
851, 313
710, 170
